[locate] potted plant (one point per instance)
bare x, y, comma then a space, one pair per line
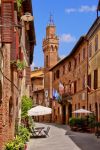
20, 67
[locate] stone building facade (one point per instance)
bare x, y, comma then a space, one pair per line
37, 82
93, 37
71, 72
11, 50
79, 75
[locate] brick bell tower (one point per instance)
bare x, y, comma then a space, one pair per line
50, 49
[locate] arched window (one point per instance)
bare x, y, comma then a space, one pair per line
55, 48
52, 48
47, 61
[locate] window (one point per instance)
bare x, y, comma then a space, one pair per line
51, 47
78, 105
79, 57
83, 84
46, 61
83, 53
54, 76
75, 86
96, 43
89, 81
90, 107
58, 111
69, 66
95, 79
90, 50
83, 107
57, 74
75, 62
75, 106
0, 91
64, 69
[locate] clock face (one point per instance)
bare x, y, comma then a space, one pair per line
46, 93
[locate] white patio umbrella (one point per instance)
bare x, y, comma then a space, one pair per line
81, 111
39, 110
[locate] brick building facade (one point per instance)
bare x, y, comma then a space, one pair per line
79, 75
93, 37
11, 50
71, 72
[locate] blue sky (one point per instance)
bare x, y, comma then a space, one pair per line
72, 18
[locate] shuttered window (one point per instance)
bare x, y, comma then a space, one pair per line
89, 80
0, 91
7, 13
90, 50
95, 79
96, 43
75, 86
83, 53
28, 79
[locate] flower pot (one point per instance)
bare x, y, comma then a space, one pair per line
20, 74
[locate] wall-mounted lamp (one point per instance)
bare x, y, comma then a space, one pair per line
27, 18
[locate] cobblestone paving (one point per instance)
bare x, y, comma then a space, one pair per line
57, 140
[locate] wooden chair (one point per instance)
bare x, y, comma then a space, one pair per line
47, 131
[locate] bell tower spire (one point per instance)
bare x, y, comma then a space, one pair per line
51, 21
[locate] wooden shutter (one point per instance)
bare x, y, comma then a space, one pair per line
75, 86
20, 55
28, 78
7, 13
0, 91
14, 47
89, 81
95, 79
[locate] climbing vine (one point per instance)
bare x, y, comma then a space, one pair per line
19, 4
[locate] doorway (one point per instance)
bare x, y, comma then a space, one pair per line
69, 111
64, 114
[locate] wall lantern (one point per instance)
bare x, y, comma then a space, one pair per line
27, 18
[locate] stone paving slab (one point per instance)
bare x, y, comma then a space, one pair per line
57, 140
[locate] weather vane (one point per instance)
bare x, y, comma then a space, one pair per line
51, 21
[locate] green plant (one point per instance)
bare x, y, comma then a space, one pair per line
91, 121
15, 144
72, 122
25, 106
20, 65
9, 146
23, 133
19, 4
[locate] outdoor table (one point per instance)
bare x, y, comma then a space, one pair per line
38, 131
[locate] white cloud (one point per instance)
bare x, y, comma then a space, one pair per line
67, 38
32, 66
82, 9
70, 10
87, 8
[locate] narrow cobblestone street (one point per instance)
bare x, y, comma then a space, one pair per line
56, 141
